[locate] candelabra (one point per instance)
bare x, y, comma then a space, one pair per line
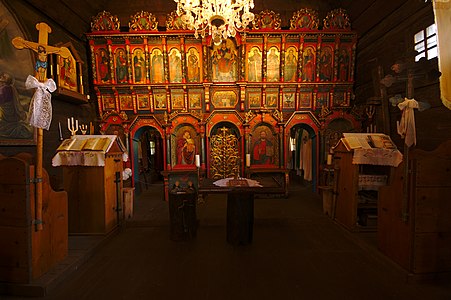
73, 127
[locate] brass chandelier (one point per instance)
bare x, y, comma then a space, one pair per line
218, 18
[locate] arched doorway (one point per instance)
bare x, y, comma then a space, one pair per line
303, 155
148, 160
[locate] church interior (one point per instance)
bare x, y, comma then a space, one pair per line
157, 124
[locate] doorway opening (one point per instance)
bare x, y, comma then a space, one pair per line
303, 155
148, 160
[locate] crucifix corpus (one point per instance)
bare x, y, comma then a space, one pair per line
40, 111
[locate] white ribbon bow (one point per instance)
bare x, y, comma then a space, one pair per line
406, 127
40, 112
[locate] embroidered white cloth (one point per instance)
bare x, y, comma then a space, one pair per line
79, 158
40, 112
377, 156
224, 182
372, 182
406, 127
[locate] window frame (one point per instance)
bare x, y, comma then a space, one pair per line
426, 45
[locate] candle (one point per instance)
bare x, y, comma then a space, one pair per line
197, 160
248, 160
60, 132
329, 159
68, 123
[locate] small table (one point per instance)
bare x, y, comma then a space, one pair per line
240, 206
182, 214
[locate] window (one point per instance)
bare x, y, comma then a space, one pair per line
152, 147
426, 43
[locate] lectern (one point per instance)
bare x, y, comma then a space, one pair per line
93, 181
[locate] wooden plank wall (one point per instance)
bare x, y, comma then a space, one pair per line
432, 243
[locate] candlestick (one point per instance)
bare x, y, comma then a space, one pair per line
197, 161
60, 132
73, 128
329, 159
83, 128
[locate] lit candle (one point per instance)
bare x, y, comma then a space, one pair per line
197, 161
248, 160
329, 159
60, 132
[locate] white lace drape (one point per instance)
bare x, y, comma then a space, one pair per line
406, 127
40, 112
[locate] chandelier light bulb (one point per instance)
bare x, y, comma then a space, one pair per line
219, 18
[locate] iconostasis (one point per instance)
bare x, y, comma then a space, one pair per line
252, 91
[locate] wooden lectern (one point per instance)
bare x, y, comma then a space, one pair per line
93, 181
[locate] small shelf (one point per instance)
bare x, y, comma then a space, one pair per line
70, 96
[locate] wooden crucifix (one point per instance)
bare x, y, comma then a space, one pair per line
42, 49
407, 127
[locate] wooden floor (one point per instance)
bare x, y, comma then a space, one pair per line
297, 253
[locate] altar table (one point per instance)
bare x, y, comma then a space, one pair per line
240, 206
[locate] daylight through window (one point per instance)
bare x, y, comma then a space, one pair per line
426, 43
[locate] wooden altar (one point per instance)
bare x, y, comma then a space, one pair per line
240, 206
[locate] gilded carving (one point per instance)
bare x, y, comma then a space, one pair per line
224, 155
266, 19
305, 18
143, 21
105, 21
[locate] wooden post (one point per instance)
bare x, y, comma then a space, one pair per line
42, 50
405, 200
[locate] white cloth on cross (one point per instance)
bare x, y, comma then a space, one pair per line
406, 127
40, 112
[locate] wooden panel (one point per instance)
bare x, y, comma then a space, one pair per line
15, 221
346, 203
433, 172
128, 197
433, 206
15, 261
393, 234
50, 245
92, 196
14, 191
432, 253
113, 164
85, 189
